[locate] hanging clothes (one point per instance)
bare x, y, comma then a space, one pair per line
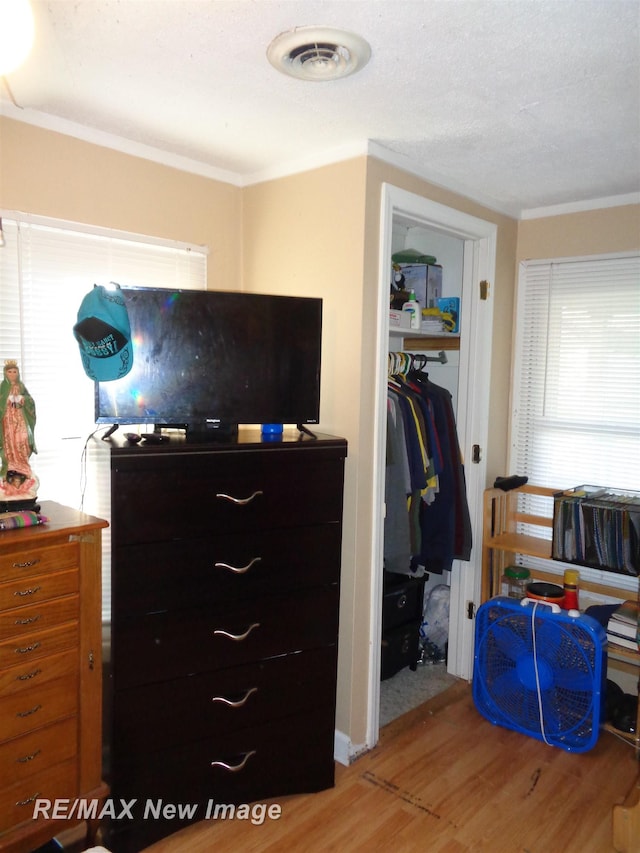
446, 522
427, 522
397, 534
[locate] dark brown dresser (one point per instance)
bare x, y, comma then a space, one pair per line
225, 595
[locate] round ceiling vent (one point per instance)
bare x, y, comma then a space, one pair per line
318, 53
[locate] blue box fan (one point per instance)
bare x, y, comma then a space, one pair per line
541, 671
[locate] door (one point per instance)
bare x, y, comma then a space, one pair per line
476, 317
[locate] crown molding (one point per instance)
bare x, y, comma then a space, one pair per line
318, 160
581, 206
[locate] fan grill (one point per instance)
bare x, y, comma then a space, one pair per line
540, 676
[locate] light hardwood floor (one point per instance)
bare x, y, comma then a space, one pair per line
444, 780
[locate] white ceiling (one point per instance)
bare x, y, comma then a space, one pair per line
519, 104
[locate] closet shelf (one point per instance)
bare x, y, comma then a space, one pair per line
412, 339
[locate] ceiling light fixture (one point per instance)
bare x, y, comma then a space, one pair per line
318, 53
16, 33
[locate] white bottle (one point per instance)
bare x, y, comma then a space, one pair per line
413, 307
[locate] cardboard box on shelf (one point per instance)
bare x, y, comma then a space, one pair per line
399, 319
425, 280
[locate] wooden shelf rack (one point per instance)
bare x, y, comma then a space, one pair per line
502, 519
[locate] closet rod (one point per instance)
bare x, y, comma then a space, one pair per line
403, 362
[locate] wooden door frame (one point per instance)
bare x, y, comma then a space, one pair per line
476, 322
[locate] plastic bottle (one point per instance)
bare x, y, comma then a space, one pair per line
571, 577
413, 306
515, 579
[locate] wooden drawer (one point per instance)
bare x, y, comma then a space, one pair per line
22, 757
37, 645
25, 563
293, 755
166, 645
38, 617
50, 702
204, 494
23, 591
17, 800
28, 675
224, 568
31, 709
153, 716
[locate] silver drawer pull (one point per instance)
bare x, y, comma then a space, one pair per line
219, 632
32, 591
25, 649
239, 501
29, 621
238, 570
25, 565
29, 800
26, 758
29, 712
234, 768
235, 703
28, 675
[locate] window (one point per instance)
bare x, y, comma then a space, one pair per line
576, 380
45, 270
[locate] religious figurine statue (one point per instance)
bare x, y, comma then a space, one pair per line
18, 483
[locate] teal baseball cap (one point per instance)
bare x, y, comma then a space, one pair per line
103, 334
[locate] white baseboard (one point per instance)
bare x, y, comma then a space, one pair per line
344, 751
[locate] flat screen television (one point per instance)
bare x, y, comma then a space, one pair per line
207, 361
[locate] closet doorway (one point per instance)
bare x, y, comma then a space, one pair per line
473, 241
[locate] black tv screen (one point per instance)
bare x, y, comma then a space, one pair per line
208, 358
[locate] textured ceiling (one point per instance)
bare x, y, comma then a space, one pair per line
519, 104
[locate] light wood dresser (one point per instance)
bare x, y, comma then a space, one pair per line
50, 674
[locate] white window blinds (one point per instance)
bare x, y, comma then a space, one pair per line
45, 270
576, 381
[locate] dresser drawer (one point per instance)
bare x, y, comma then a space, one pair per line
153, 716
22, 591
39, 644
167, 645
26, 563
293, 755
28, 675
31, 709
205, 494
17, 800
22, 757
224, 568
38, 617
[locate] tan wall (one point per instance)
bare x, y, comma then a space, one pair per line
318, 234
593, 232
304, 235
54, 175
